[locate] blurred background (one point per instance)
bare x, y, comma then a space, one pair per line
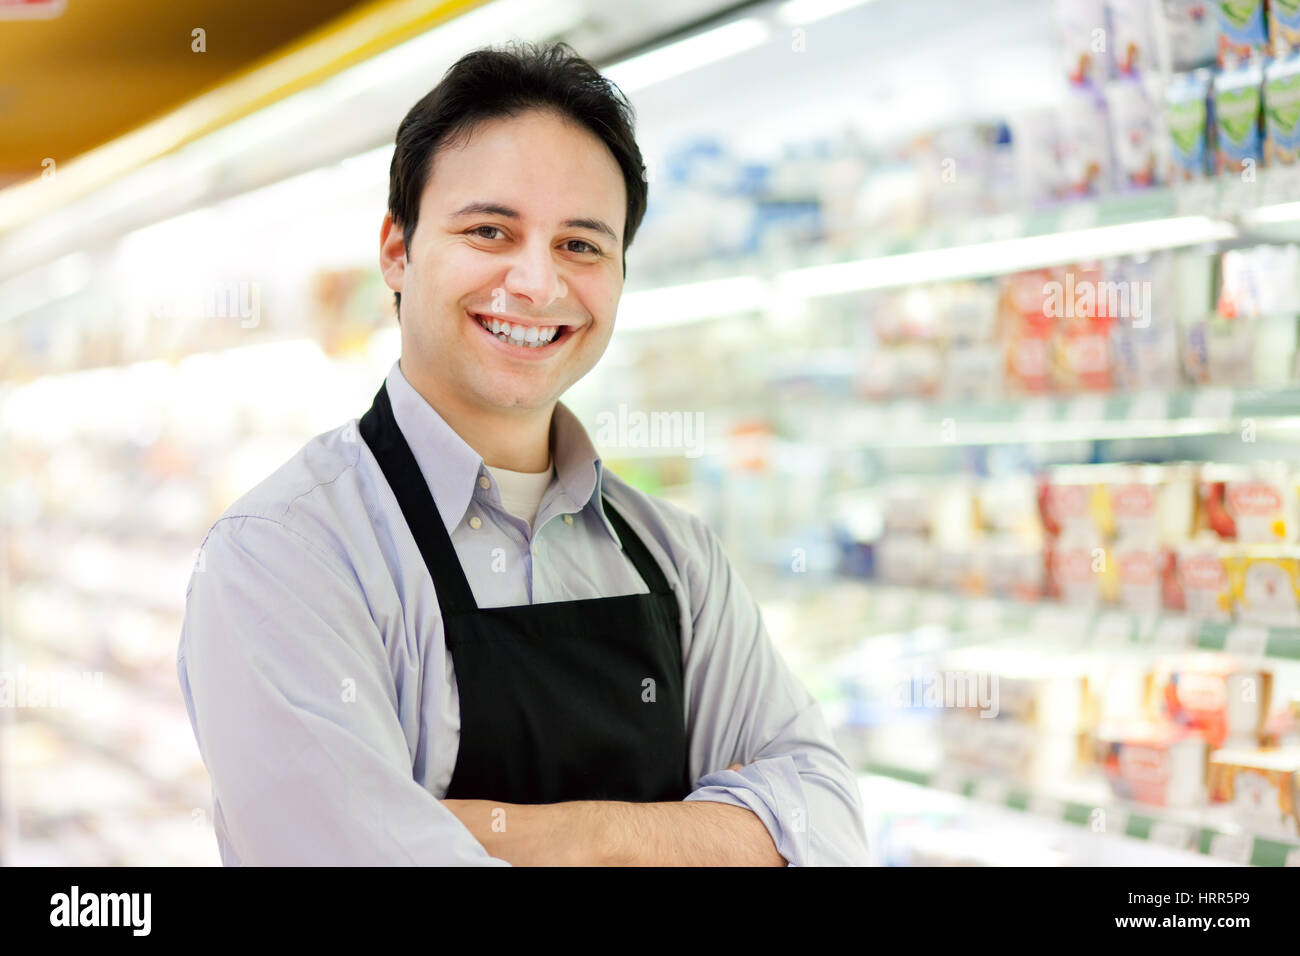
971, 326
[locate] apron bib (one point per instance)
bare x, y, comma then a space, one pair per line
570, 700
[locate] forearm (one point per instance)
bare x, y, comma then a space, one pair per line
615, 833
695, 833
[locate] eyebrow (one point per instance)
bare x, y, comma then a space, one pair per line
497, 209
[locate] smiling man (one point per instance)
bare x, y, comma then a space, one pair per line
445, 633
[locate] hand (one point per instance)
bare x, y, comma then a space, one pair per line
736, 766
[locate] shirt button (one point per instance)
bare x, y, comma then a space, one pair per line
476, 522
483, 481
568, 519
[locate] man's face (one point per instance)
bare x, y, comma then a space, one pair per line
511, 229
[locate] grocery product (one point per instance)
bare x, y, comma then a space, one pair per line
1260, 500
1085, 144
1237, 101
1265, 584
1145, 346
1282, 111
1190, 32
1218, 696
1084, 303
1140, 568
1203, 579
1135, 133
1249, 504
1154, 763
1014, 567
1036, 135
1261, 786
1259, 281
1284, 27
1133, 37
1243, 30
1282, 727
1218, 352
1027, 331
1081, 26
1155, 502
1188, 121
1074, 499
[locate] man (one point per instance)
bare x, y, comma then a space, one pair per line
445, 634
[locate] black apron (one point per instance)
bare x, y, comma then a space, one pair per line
571, 700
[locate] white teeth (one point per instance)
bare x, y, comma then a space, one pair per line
527, 336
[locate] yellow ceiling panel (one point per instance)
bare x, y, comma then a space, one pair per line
103, 67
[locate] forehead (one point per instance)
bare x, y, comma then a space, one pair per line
547, 167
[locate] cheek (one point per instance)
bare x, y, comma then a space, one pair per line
599, 295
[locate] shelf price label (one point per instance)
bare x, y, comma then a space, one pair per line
1114, 821
1236, 847
906, 416
1173, 631
1168, 833
1035, 410
1087, 408
985, 616
1149, 406
1056, 623
938, 609
1196, 198
948, 779
891, 609
1113, 628
1212, 403
1248, 640
992, 790
1046, 807
1078, 215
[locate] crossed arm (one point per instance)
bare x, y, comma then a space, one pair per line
615, 833
307, 771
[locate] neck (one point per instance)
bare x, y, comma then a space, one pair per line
515, 439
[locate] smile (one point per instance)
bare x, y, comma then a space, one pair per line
522, 336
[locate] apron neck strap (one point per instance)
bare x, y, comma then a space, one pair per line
397, 461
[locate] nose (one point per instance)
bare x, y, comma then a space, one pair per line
533, 276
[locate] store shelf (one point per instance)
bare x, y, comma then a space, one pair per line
1051, 624
1209, 213
913, 423
1184, 830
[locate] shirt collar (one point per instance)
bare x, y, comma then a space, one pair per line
451, 468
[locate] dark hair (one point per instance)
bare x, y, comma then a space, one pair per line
491, 83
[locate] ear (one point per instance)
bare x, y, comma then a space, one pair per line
392, 253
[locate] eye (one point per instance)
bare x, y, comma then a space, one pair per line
583, 242
478, 230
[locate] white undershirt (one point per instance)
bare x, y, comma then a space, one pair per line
521, 491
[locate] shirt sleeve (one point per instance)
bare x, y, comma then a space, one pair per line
287, 684
747, 707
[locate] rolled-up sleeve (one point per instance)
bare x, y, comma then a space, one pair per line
293, 706
745, 706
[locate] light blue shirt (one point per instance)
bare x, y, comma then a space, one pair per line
322, 695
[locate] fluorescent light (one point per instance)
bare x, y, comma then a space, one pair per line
1282, 212
1003, 256
809, 11
688, 54
697, 300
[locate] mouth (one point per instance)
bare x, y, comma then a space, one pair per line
528, 340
